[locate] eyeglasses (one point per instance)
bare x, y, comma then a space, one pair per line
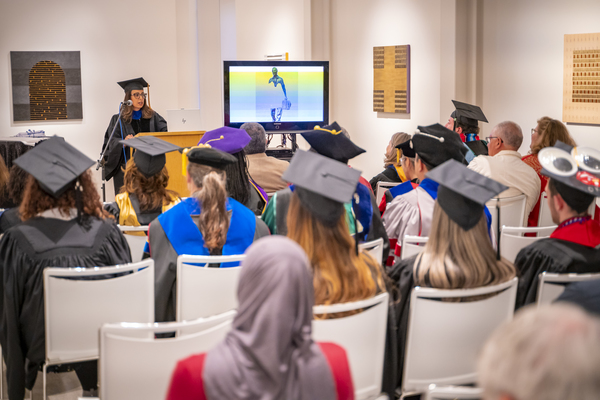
139, 95
487, 139
533, 130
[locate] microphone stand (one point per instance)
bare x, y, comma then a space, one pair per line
99, 162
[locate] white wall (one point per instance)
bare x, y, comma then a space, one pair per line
523, 61
117, 39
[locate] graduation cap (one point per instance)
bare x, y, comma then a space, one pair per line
467, 114
407, 150
150, 153
229, 140
331, 142
463, 193
55, 165
576, 167
323, 185
204, 154
133, 84
436, 144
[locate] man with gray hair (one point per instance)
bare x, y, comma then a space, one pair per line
504, 164
264, 170
546, 353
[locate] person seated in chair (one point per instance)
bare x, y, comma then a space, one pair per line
16, 187
207, 223
63, 225
144, 195
571, 248
393, 170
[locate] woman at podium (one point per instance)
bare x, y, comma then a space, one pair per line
135, 118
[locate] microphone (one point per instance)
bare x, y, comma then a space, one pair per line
128, 103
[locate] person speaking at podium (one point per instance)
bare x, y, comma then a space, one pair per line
136, 117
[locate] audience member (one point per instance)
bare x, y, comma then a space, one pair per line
392, 167
408, 165
547, 132
64, 226
240, 185
410, 213
459, 253
505, 166
585, 294
16, 188
572, 245
207, 223
331, 142
269, 353
144, 195
546, 353
264, 170
464, 121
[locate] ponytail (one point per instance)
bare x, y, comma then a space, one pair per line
212, 196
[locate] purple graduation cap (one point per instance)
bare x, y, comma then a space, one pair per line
229, 140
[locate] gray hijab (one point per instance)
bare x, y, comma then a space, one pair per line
269, 353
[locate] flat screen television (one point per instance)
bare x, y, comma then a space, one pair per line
282, 96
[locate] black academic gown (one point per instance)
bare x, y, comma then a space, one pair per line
25, 251
584, 294
9, 218
114, 157
387, 175
551, 255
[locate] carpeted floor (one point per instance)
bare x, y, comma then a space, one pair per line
63, 386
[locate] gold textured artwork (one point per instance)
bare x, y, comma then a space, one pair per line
391, 79
581, 82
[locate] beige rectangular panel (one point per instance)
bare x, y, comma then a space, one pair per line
581, 81
391, 79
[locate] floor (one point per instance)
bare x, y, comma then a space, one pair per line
63, 386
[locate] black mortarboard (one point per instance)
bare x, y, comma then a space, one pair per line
407, 150
331, 142
467, 114
54, 164
463, 193
576, 167
150, 153
436, 144
133, 84
206, 155
323, 185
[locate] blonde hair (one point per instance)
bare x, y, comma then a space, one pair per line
549, 131
455, 259
339, 274
397, 138
212, 196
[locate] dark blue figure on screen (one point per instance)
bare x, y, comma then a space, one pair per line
285, 103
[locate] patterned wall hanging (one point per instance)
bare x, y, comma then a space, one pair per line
391, 79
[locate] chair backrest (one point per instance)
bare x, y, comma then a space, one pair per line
512, 241
203, 291
545, 218
362, 335
512, 211
454, 393
374, 248
136, 365
382, 187
412, 245
444, 337
78, 301
136, 242
551, 285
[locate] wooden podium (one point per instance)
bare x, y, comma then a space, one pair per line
177, 181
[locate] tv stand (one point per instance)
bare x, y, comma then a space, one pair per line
283, 152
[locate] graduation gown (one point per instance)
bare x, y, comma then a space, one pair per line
9, 218
389, 174
25, 251
175, 232
570, 249
114, 156
126, 210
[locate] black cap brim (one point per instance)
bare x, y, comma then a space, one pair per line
331, 142
133, 84
468, 114
150, 153
211, 157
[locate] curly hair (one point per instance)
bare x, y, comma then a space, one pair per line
16, 183
151, 192
549, 131
36, 200
147, 112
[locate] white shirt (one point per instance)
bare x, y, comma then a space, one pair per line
507, 168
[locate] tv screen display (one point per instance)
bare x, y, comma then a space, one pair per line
280, 95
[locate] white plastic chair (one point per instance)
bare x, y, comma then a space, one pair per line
512, 241
203, 291
412, 245
512, 211
136, 365
545, 218
552, 285
136, 243
382, 187
453, 392
444, 338
374, 248
78, 301
362, 335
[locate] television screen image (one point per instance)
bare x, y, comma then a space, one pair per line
279, 95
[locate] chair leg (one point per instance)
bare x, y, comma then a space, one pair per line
44, 383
